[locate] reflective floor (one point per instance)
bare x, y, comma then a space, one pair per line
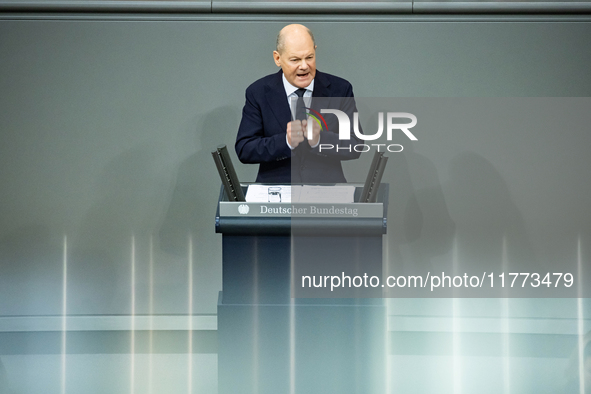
100, 373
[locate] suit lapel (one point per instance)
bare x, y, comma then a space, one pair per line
321, 89
321, 85
277, 100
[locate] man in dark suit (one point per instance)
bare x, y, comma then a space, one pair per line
269, 136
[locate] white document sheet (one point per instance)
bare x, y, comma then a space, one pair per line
266, 193
327, 194
306, 194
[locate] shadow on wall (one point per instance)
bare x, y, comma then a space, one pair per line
194, 199
419, 220
32, 257
428, 227
419, 224
31, 267
101, 250
486, 216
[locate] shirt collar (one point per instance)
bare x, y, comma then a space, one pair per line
290, 89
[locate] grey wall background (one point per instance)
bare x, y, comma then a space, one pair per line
107, 124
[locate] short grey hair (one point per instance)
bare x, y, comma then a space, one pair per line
280, 44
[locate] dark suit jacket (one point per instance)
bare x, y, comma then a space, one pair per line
261, 137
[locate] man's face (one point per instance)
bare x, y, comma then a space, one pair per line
297, 59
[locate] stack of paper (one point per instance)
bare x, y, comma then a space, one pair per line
342, 194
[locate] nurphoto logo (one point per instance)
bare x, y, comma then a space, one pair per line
345, 130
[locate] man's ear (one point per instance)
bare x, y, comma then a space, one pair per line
276, 57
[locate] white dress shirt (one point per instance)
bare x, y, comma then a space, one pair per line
290, 91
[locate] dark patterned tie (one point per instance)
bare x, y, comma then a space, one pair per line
300, 112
